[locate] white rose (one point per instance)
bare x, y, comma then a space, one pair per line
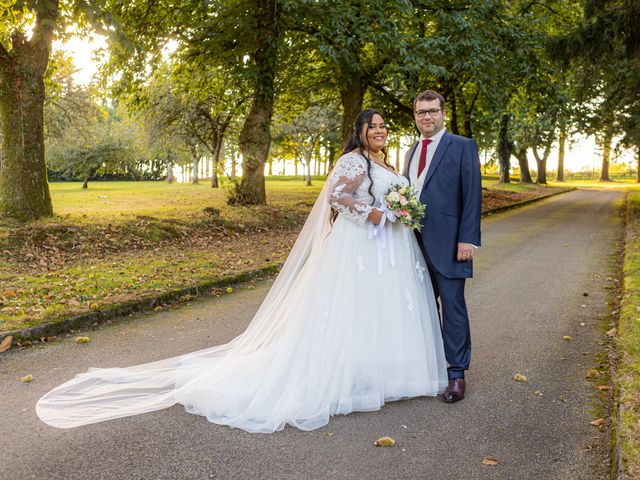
393, 197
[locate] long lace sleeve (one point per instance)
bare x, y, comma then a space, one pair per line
348, 174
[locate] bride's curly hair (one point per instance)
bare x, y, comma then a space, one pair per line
365, 117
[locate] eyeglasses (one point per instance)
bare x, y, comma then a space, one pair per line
433, 113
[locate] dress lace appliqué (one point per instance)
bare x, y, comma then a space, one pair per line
345, 197
420, 271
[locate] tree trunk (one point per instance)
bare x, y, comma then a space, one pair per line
332, 154
541, 162
218, 153
523, 162
606, 155
194, 169
234, 164
352, 95
461, 103
255, 136
170, 177
452, 109
561, 147
638, 164
504, 150
308, 170
24, 188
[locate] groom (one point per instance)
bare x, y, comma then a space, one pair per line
444, 169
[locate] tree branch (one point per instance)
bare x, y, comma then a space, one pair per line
47, 12
393, 99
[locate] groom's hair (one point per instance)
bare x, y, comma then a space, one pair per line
429, 95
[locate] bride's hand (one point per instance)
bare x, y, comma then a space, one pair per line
375, 216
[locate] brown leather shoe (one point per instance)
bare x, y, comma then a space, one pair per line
455, 390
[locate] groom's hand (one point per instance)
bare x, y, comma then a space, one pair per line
465, 252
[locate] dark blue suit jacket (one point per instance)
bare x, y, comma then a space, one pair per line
452, 192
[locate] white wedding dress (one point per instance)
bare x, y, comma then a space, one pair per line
349, 324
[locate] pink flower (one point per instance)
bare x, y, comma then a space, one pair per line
404, 213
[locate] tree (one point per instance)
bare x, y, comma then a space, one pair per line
24, 189
107, 146
306, 130
259, 44
349, 44
605, 49
242, 38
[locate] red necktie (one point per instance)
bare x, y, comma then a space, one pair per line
423, 156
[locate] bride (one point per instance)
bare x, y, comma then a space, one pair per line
349, 324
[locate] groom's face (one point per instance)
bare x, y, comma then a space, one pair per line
427, 124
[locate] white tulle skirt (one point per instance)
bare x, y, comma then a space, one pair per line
343, 330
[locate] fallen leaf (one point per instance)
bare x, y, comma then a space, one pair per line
567, 338
490, 461
328, 434
518, 377
384, 442
612, 332
602, 387
593, 373
6, 343
26, 378
82, 339
597, 423
538, 393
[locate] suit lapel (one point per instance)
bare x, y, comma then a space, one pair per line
445, 141
407, 167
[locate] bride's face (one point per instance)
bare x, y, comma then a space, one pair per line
374, 135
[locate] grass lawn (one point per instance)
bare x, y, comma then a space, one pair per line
120, 241
628, 377
109, 201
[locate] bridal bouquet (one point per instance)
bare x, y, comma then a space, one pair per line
401, 201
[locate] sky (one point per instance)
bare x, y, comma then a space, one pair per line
581, 154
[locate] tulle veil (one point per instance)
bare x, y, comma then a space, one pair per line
103, 394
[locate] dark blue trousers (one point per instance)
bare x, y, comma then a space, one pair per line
454, 319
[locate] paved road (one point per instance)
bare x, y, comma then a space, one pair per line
531, 275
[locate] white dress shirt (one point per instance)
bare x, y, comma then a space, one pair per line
416, 181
